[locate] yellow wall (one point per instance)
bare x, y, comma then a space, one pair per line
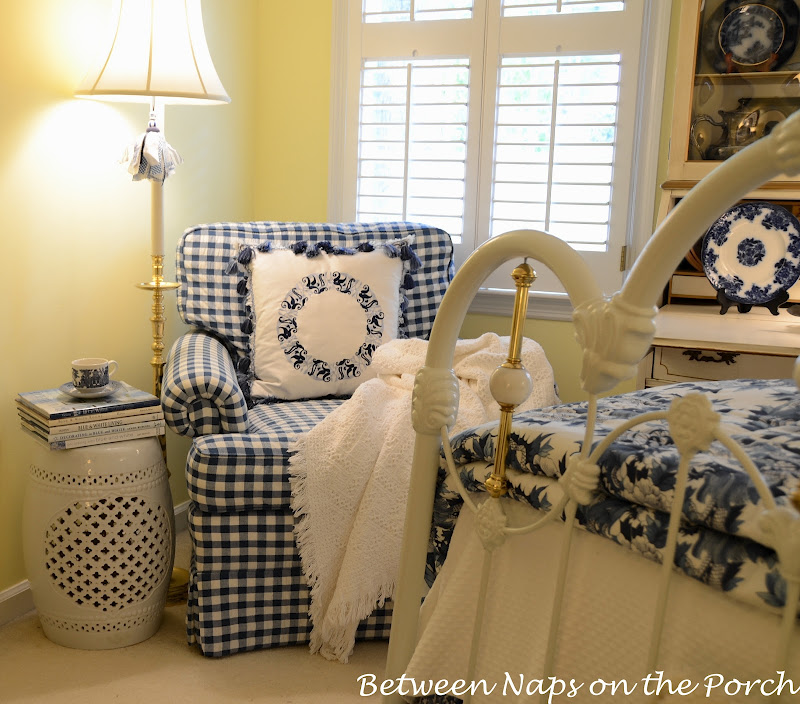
75, 235
293, 105
76, 230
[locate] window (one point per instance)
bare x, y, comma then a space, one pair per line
554, 144
483, 116
412, 141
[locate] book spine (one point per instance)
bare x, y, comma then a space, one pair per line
94, 432
88, 414
98, 440
90, 424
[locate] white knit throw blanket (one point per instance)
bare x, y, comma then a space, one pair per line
350, 477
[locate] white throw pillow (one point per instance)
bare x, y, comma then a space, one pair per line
319, 314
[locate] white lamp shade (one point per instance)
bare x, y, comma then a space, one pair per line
157, 48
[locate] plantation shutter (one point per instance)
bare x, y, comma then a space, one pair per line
412, 141
485, 116
522, 8
416, 10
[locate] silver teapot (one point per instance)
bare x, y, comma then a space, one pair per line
738, 127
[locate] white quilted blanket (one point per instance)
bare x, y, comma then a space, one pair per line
350, 477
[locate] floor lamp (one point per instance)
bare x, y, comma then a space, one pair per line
155, 52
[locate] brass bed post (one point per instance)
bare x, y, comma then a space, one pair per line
523, 276
432, 417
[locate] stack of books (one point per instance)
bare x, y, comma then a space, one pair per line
60, 422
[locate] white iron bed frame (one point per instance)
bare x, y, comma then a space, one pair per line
615, 333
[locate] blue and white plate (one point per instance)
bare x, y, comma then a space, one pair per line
751, 34
100, 392
752, 252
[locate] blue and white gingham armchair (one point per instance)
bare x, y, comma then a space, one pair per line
246, 588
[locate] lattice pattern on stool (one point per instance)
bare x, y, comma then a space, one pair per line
108, 553
121, 479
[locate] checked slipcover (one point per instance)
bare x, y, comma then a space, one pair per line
247, 589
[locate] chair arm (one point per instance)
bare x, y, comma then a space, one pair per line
200, 393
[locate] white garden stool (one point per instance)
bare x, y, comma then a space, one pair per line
99, 539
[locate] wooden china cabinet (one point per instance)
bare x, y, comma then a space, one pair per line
737, 76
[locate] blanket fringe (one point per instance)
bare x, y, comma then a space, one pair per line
336, 639
331, 631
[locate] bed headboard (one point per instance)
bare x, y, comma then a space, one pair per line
615, 332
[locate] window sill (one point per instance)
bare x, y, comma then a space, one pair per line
554, 306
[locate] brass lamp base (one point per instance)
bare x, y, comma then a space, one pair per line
157, 285
180, 578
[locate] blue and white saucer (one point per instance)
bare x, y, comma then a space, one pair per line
751, 34
752, 252
100, 392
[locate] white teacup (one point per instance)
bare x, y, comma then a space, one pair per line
92, 372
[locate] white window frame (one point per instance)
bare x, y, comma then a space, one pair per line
345, 76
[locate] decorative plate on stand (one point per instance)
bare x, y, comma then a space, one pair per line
752, 253
751, 36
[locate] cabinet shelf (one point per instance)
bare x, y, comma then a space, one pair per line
714, 111
781, 77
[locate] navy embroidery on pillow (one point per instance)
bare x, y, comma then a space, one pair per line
287, 330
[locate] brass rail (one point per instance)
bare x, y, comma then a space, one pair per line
523, 276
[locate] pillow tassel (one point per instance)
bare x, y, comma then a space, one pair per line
300, 247
241, 287
408, 254
366, 247
402, 332
245, 255
408, 281
265, 247
232, 268
245, 386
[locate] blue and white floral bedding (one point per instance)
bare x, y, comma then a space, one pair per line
720, 541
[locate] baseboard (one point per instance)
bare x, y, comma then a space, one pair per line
17, 600
182, 517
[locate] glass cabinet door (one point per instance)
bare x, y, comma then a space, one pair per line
738, 76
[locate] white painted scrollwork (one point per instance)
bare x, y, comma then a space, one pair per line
692, 423
490, 524
782, 528
786, 137
435, 400
581, 480
614, 336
